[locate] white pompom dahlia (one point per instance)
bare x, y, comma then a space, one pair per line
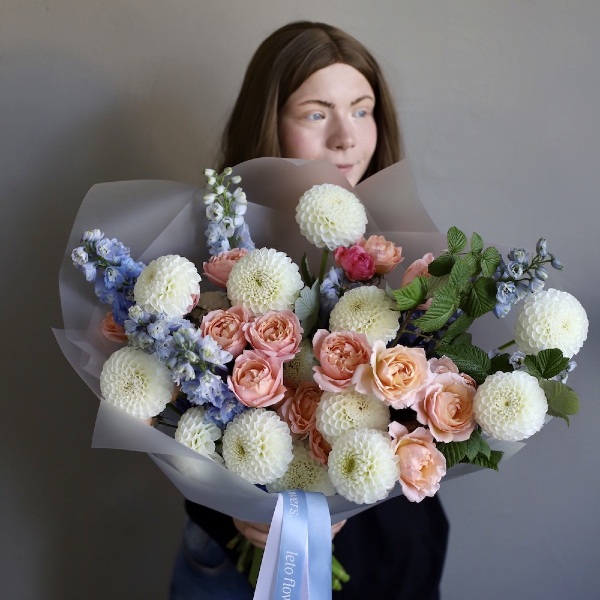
195, 431
137, 382
331, 216
257, 446
300, 368
362, 466
264, 280
304, 473
338, 412
510, 406
169, 285
551, 319
367, 310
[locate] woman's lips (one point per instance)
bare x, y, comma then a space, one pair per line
345, 168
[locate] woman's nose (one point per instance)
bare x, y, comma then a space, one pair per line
341, 136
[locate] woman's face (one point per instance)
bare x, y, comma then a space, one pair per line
330, 117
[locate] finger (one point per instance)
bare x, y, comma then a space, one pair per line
336, 528
255, 533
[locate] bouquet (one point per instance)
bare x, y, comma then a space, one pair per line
341, 381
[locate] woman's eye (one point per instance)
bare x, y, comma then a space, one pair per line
316, 116
361, 114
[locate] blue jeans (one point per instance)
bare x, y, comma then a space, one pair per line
203, 571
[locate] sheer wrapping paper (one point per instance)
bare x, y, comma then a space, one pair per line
155, 218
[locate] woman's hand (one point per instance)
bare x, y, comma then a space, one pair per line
256, 533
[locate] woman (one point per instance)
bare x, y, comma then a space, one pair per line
312, 91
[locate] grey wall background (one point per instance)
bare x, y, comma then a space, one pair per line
498, 100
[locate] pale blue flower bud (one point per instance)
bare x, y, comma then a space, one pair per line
214, 212
227, 226
236, 179
136, 313
519, 255
541, 273
220, 189
209, 198
501, 310
79, 256
92, 235
228, 171
211, 181
240, 196
556, 263
209, 172
542, 247
239, 209
514, 269
536, 285
505, 292
522, 290
517, 360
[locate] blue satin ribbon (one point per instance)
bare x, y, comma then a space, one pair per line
293, 546
297, 561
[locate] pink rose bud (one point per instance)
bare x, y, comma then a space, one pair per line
339, 354
298, 409
319, 446
112, 331
257, 381
226, 327
385, 254
356, 262
276, 333
217, 269
418, 268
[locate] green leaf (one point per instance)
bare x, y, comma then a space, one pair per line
477, 445
469, 359
547, 363
457, 240
454, 452
475, 451
436, 283
411, 295
562, 400
501, 362
476, 243
472, 263
306, 306
490, 260
481, 297
457, 328
443, 306
460, 275
489, 463
442, 265
463, 339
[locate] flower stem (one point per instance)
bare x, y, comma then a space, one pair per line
324, 258
508, 344
255, 566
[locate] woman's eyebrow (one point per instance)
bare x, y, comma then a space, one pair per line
332, 105
362, 99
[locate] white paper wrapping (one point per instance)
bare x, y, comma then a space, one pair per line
162, 217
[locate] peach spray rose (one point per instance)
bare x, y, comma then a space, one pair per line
339, 354
385, 254
421, 465
256, 381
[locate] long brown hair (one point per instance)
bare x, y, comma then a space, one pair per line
278, 68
